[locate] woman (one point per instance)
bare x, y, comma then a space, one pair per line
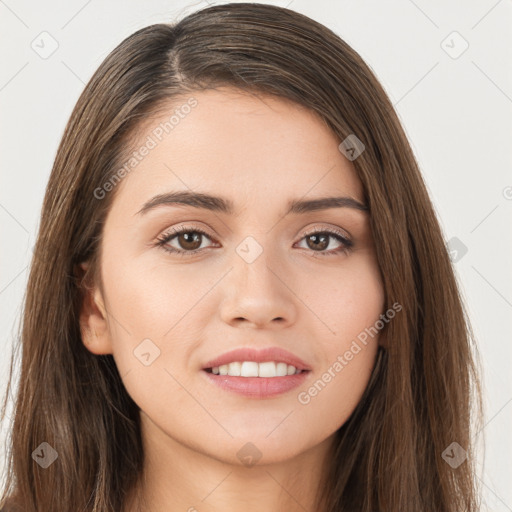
240, 295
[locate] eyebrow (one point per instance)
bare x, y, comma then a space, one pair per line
222, 205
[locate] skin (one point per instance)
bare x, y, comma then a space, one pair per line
259, 153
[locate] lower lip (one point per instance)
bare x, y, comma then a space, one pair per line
258, 387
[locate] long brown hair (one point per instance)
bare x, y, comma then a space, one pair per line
424, 393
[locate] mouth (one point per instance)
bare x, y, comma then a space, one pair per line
257, 372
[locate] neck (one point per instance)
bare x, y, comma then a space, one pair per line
176, 478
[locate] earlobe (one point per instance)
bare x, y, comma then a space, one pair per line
93, 316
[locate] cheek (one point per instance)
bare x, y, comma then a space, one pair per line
336, 390
151, 299
349, 305
154, 329
345, 300
156, 309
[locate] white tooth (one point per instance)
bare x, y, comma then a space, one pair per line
291, 369
249, 369
234, 369
267, 369
281, 369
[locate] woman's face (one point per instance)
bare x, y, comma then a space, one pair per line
258, 279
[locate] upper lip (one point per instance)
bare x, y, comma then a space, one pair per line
279, 355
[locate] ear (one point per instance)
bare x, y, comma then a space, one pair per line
93, 316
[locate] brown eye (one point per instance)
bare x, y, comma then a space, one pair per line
318, 241
186, 241
190, 240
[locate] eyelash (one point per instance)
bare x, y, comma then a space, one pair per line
165, 238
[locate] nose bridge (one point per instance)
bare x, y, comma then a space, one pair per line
256, 291
252, 266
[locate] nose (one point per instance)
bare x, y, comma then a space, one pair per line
258, 294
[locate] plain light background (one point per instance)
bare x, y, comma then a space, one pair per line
445, 66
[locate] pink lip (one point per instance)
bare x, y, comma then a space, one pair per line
257, 387
276, 354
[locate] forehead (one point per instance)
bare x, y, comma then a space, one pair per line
262, 149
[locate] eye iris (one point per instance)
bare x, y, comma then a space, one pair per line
317, 237
186, 238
